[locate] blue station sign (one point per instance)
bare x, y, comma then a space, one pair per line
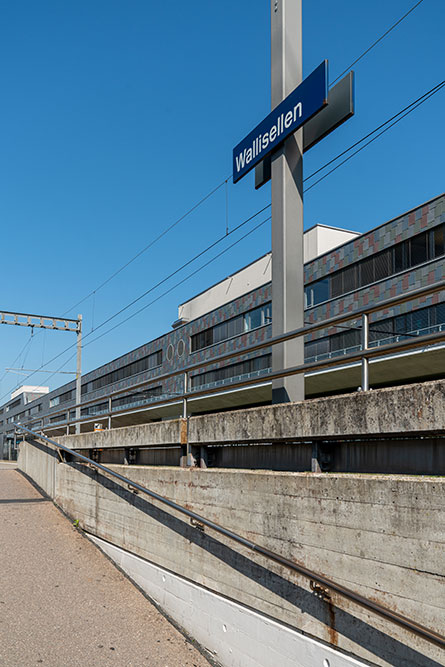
304, 102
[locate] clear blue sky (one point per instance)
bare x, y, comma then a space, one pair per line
117, 117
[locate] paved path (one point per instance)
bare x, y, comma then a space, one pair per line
62, 603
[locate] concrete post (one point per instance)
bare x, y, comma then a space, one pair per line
315, 460
365, 345
109, 410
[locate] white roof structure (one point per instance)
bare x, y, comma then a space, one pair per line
318, 240
29, 389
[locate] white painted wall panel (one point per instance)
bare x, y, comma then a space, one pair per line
235, 635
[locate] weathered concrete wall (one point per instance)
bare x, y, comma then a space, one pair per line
410, 409
416, 408
382, 536
39, 462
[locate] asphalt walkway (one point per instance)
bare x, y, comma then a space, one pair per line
63, 603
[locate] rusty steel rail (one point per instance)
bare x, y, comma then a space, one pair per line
368, 604
361, 355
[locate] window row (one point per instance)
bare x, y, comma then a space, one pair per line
13, 405
94, 409
415, 323
400, 257
17, 418
252, 319
57, 418
139, 396
26, 413
61, 398
136, 367
241, 368
102, 407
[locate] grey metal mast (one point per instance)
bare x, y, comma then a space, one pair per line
58, 324
287, 203
78, 372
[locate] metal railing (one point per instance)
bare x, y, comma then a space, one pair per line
390, 338
367, 351
199, 521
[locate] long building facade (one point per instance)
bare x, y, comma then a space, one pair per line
344, 271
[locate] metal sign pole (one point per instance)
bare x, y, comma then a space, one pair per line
79, 372
287, 203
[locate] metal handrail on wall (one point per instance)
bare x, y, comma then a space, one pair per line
199, 521
361, 356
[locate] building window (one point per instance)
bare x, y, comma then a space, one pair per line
383, 264
58, 418
94, 409
439, 241
400, 257
146, 363
316, 292
61, 398
227, 372
419, 249
139, 397
16, 403
252, 319
316, 348
415, 323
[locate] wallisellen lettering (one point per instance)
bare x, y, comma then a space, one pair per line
263, 141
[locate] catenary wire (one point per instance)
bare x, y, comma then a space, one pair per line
394, 25
183, 266
357, 143
152, 242
425, 97
170, 289
184, 279
28, 342
203, 199
209, 194
202, 252
411, 108
130, 261
214, 190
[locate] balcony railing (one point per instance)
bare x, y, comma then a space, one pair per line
358, 353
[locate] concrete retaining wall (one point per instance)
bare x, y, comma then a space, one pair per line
410, 409
397, 430
417, 408
381, 536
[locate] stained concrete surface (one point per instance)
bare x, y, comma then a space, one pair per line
63, 603
408, 410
